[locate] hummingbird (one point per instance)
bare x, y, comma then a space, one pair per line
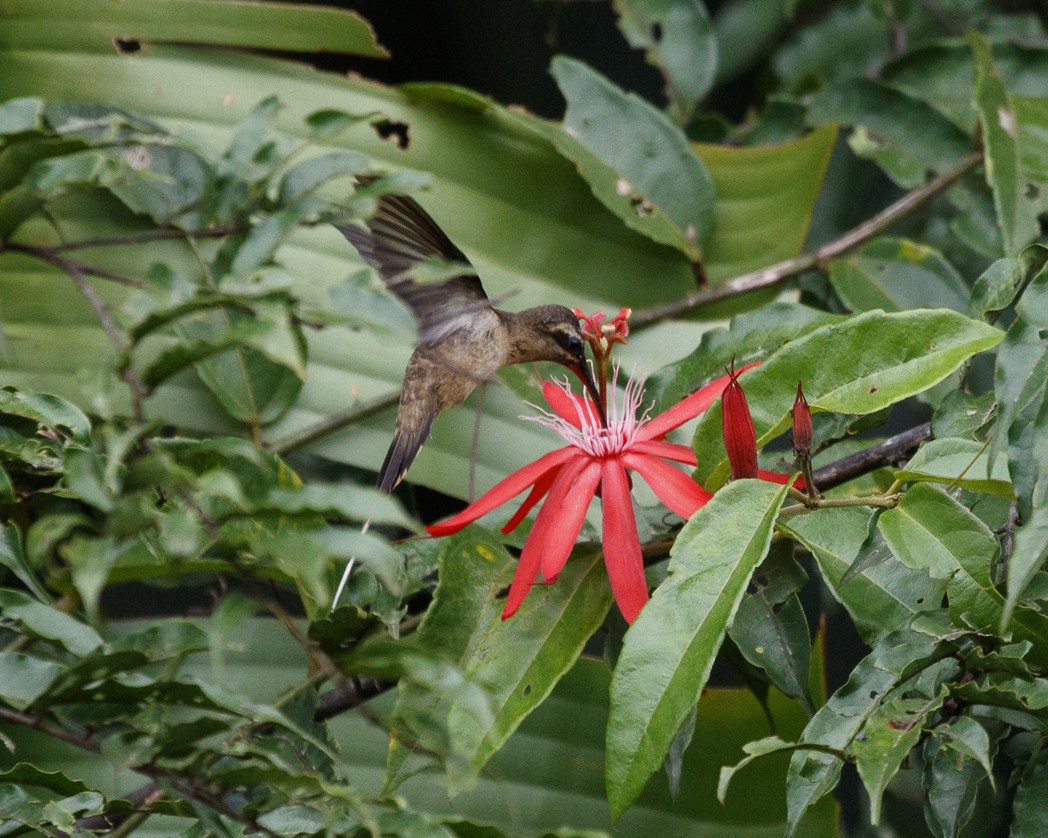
463, 340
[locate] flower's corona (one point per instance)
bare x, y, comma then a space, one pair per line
586, 431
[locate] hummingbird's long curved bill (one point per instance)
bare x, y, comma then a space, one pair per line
583, 372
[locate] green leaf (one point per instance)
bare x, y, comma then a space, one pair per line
25, 678
163, 182
749, 335
43, 621
18, 115
1031, 800
1005, 280
889, 734
770, 628
12, 556
669, 650
900, 655
1019, 379
753, 750
955, 793
880, 598
638, 163
961, 414
1016, 210
903, 135
1029, 554
176, 358
929, 530
969, 738
304, 178
880, 359
896, 275
307, 28
957, 462
765, 198
678, 40
521, 659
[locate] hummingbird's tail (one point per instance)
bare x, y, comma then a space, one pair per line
407, 442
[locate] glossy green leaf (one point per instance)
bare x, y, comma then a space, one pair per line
182, 355
638, 163
18, 115
903, 135
957, 462
961, 414
1016, 210
896, 275
1019, 384
527, 655
669, 650
678, 39
880, 598
880, 359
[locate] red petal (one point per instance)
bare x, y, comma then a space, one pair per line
535, 547
527, 570
674, 488
568, 406
537, 493
666, 450
688, 407
568, 510
622, 555
508, 487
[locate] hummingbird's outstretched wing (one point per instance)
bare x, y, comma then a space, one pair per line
400, 236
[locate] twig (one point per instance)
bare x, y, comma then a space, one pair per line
774, 274
52, 256
333, 423
140, 236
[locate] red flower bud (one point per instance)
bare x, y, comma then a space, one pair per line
619, 329
740, 438
801, 423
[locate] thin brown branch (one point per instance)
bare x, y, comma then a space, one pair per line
333, 423
774, 274
52, 256
55, 731
145, 236
112, 331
